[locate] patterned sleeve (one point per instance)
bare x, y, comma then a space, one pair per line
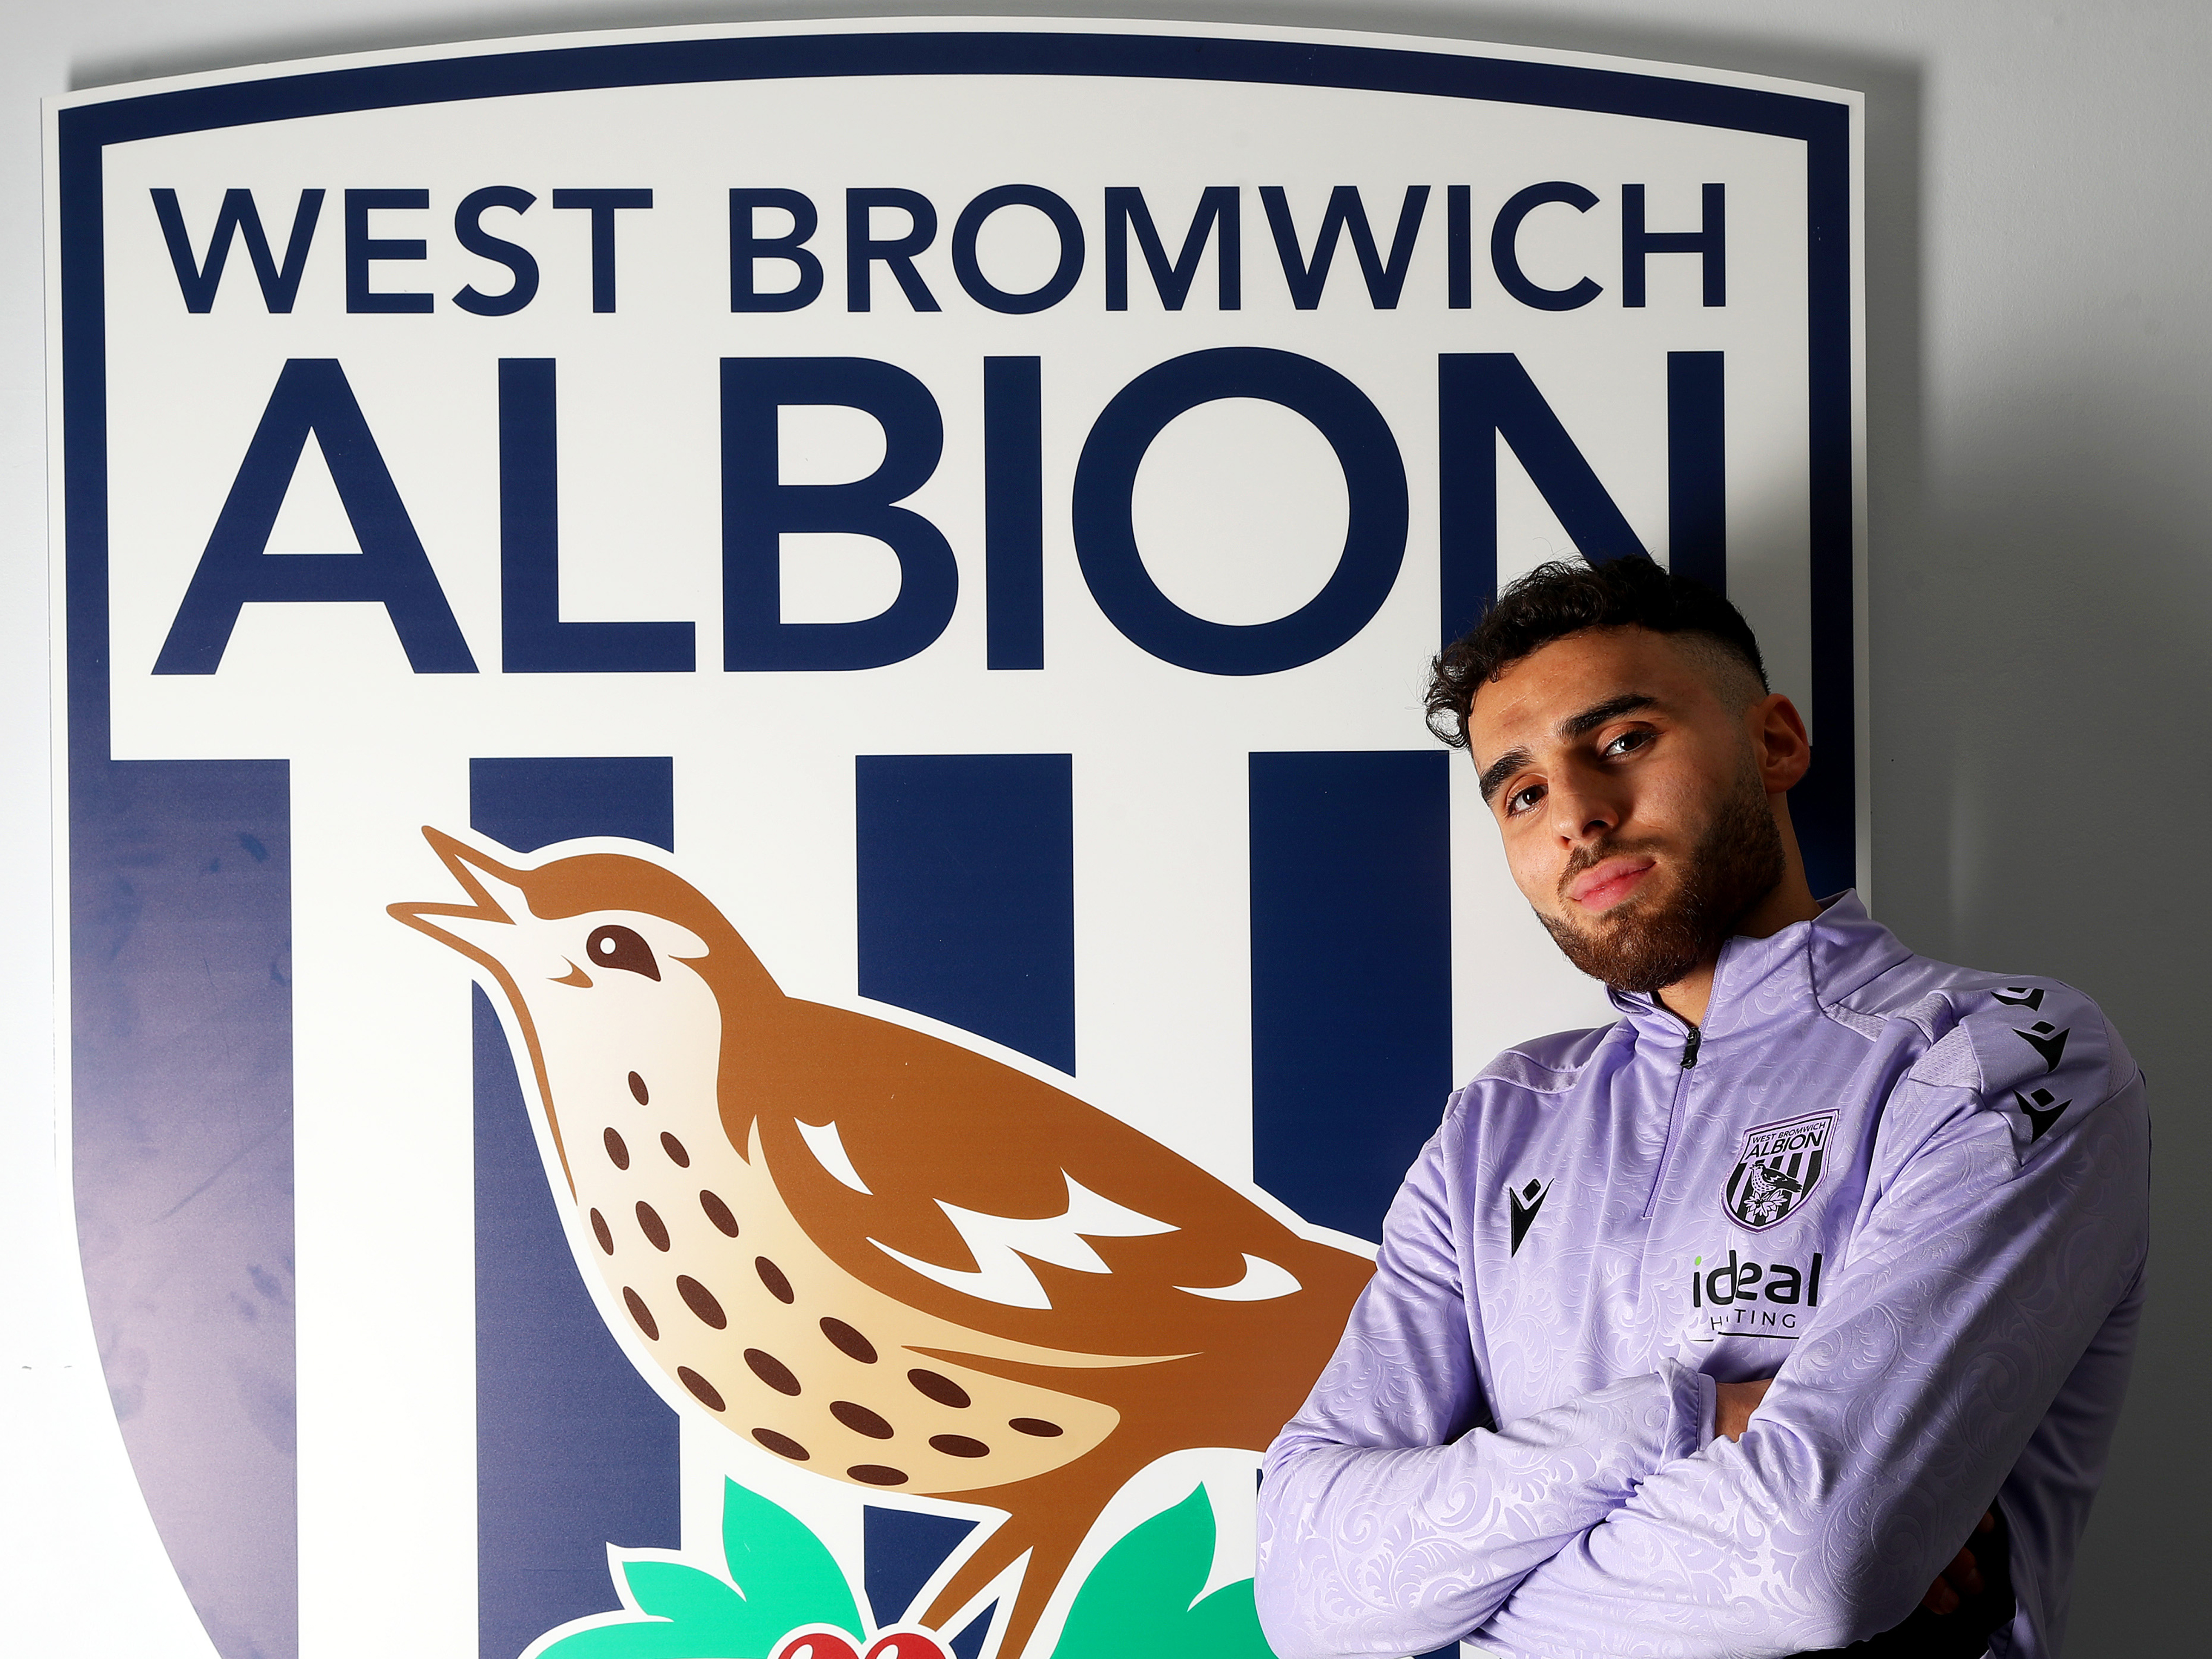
1392, 1520
2004, 1221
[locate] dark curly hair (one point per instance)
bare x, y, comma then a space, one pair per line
1565, 597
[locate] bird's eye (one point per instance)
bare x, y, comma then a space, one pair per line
621, 947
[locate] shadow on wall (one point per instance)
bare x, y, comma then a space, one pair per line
2042, 660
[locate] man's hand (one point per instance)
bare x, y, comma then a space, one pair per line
1732, 1403
1963, 1575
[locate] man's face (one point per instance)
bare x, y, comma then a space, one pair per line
1627, 790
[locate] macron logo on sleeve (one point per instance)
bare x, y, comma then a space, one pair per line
2046, 1039
2041, 1113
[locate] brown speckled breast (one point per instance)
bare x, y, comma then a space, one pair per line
717, 1284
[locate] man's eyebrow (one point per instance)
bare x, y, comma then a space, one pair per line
1494, 775
1574, 726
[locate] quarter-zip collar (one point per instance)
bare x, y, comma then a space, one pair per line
1766, 983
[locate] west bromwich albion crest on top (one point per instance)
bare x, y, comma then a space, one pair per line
1779, 1166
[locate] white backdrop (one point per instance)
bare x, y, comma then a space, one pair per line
2039, 588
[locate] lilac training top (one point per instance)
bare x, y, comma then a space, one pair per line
1914, 1195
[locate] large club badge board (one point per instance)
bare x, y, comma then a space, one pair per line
759, 912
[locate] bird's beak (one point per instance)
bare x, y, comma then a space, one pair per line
486, 931
483, 929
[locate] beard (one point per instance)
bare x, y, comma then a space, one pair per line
1646, 943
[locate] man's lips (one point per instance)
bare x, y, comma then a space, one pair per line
1604, 884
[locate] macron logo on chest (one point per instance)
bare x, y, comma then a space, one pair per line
1525, 1202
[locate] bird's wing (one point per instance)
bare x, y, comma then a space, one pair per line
975, 1190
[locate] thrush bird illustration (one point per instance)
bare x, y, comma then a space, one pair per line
1768, 1193
880, 1255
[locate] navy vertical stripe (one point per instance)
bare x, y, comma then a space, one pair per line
1351, 1012
180, 927
574, 1451
529, 803
902, 1549
967, 894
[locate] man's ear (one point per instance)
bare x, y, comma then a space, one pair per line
1778, 741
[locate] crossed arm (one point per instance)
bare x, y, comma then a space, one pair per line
1960, 1576
1617, 1521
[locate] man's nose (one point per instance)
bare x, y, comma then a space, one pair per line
1582, 812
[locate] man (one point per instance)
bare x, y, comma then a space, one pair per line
1715, 1331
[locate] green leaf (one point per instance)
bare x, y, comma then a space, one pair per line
786, 1577
682, 1594
1142, 1597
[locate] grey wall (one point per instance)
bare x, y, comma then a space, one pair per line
2041, 589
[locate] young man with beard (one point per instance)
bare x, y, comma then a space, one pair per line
1715, 1331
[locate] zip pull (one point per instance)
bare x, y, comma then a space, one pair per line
1690, 1047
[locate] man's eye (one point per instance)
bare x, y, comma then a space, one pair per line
1627, 742
1521, 801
